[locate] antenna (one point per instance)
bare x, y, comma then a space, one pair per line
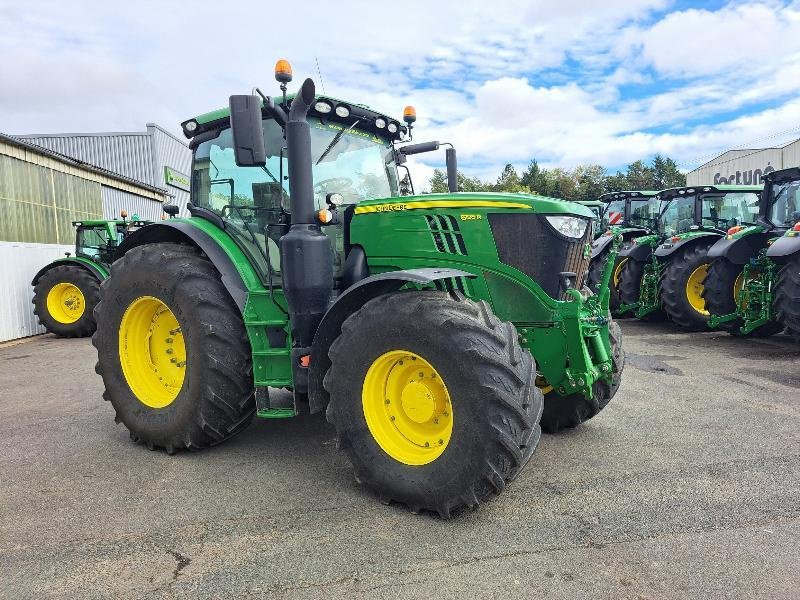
321, 82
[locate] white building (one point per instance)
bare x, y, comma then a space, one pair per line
745, 167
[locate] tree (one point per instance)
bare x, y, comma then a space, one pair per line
509, 181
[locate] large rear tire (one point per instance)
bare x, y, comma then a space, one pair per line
630, 286
787, 296
682, 287
172, 349
64, 298
721, 287
433, 399
566, 412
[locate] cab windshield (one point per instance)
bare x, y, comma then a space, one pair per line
358, 166
644, 213
614, 214
93, 243
728, 210
785, 209
677, 215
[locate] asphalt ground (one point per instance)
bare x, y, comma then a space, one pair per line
687, 485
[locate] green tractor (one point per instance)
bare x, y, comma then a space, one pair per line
664, 272
753, 284
630, 214
420, 324
66, 291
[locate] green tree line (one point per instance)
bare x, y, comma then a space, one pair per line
584, 182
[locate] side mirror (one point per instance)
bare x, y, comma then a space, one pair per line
171, 209
248, 135
419, 148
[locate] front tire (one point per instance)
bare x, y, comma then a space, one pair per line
64, 298
566, 412
172, 349
452, 432
787, 296
682, 288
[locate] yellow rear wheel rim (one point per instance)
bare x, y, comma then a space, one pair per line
152, 352
407, 407
65, 302
694, 289
618, 272
737, 286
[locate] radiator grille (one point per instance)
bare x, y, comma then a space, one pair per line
528, 243
446, 234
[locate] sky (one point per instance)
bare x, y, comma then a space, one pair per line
569, 82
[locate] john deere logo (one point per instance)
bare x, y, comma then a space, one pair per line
176, 179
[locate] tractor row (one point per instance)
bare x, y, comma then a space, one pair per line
706, 257
439, 333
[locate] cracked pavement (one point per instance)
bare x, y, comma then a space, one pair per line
687, 485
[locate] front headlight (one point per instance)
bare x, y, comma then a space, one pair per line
573, 227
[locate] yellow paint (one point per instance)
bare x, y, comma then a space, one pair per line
737, 286
65, 303
694, 289
391, 207
618, 272
152, 352
407, 407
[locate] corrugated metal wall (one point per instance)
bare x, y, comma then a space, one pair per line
29, 211
115, 201
19, 262
172, 152
129, 154
745, 166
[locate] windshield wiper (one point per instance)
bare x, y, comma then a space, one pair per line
335, 140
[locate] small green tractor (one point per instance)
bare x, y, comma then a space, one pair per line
629, 214
753, 284
597, 209
66, 291
434, 330
664, 272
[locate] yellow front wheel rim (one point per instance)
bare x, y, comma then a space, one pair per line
65, 303
152, 351
694, 289
618, 272
407, 407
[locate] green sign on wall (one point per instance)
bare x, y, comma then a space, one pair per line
176, 179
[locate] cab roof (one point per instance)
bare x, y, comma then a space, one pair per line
622, 195
689, 190
362, 113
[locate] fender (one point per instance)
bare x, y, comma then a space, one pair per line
628, 233
738, 250
668, 248
99, 271
600, 244
785, 246
186, 232
637, 252
346, 304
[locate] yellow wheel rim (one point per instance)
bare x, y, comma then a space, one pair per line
694, 289
152, 352
618, 272
737, 286
407, 407
65, 302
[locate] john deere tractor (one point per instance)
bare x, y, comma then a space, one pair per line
420, 324
753, 284
629, 214
66, 291
597, 209
664, 272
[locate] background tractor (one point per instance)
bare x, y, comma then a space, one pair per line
630, 214
597, 208
66, 291
742, 290
664, 273
420, 324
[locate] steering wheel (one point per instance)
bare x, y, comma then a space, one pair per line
333, 184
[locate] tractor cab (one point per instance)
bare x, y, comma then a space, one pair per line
712, 209
98, 240
630, 210
598, 208
781, 207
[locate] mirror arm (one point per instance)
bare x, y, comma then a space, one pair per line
274, 111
